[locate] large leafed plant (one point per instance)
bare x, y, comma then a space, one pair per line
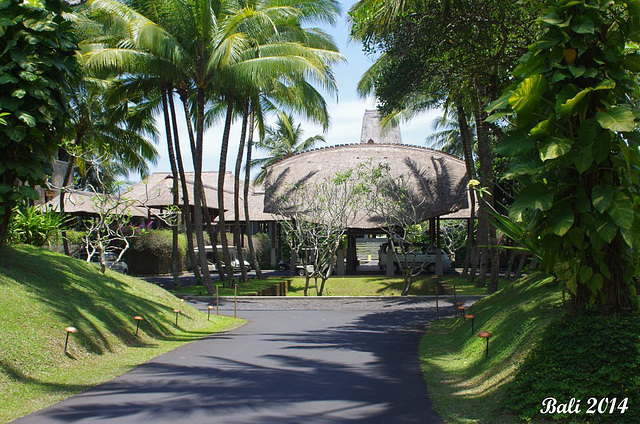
574, 147
37, 58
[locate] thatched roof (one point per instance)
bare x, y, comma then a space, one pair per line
83, 203
156, 191
256, 206
438, 179
372, 131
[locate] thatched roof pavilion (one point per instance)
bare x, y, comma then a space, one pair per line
155, 191
82, 203
438, 178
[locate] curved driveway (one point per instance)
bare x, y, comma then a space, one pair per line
327, 360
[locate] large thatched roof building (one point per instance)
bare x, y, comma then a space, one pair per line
436, 178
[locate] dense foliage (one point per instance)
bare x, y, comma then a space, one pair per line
151, 252
573, 360
37, 61
575, 148
30, 225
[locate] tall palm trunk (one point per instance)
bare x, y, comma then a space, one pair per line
174, 188
247, 182
186, 212
224, 148
465, 137
203, 199
237, 235
197, 191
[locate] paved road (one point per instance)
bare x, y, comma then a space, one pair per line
296, 361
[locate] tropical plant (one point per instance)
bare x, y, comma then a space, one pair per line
31, 225
281, 141
575, 151
37, 62
446, 135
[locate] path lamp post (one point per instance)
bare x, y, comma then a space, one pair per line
461, 310
209, 308
138, 318
472, 318
485, 335
177, 312
69, 330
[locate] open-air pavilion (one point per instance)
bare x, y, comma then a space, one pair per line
439, 180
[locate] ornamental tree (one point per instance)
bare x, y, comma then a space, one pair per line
37, 60
574, 148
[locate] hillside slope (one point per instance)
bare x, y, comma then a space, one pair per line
42, 292
463, 385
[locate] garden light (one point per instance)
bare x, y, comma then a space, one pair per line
177, 312
69, 330
472, 318
138, 318
485, 335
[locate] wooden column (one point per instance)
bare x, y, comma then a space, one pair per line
439, 267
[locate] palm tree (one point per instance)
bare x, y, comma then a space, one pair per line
446, 135
105, 135
281, 141
207, 45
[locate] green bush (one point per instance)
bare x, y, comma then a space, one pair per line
582, 357
262, 246
30, 225
151, 252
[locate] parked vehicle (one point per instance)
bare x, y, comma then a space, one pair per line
233, 253
416, 256
111, 262
300, 269
283, 266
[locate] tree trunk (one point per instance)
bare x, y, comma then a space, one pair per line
465, 137
63, 191
186, 211
237, 235
512, 257
247, 182
174, 188
485, 155
221, 175
523, 261
197, 192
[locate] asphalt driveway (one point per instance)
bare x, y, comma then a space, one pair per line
296, 361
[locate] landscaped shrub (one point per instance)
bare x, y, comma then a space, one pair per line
262, 247
582, 358
151, 252
30, 225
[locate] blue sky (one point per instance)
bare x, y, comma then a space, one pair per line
346, 112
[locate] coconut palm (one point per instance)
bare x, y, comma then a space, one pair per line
446, 135
281, 141
206, 45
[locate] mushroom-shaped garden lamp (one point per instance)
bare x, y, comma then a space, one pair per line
485, 335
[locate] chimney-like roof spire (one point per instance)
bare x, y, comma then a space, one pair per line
372, 132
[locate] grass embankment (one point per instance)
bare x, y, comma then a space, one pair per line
537, 351
464, 386
42, 292
356, 285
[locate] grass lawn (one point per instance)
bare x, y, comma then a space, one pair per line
463, 385
347, 286
42, 292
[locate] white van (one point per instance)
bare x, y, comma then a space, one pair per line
416, 256
233, 253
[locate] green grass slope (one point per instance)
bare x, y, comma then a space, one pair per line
463, 385
42, 292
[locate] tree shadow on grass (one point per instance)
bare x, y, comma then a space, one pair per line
100, 306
